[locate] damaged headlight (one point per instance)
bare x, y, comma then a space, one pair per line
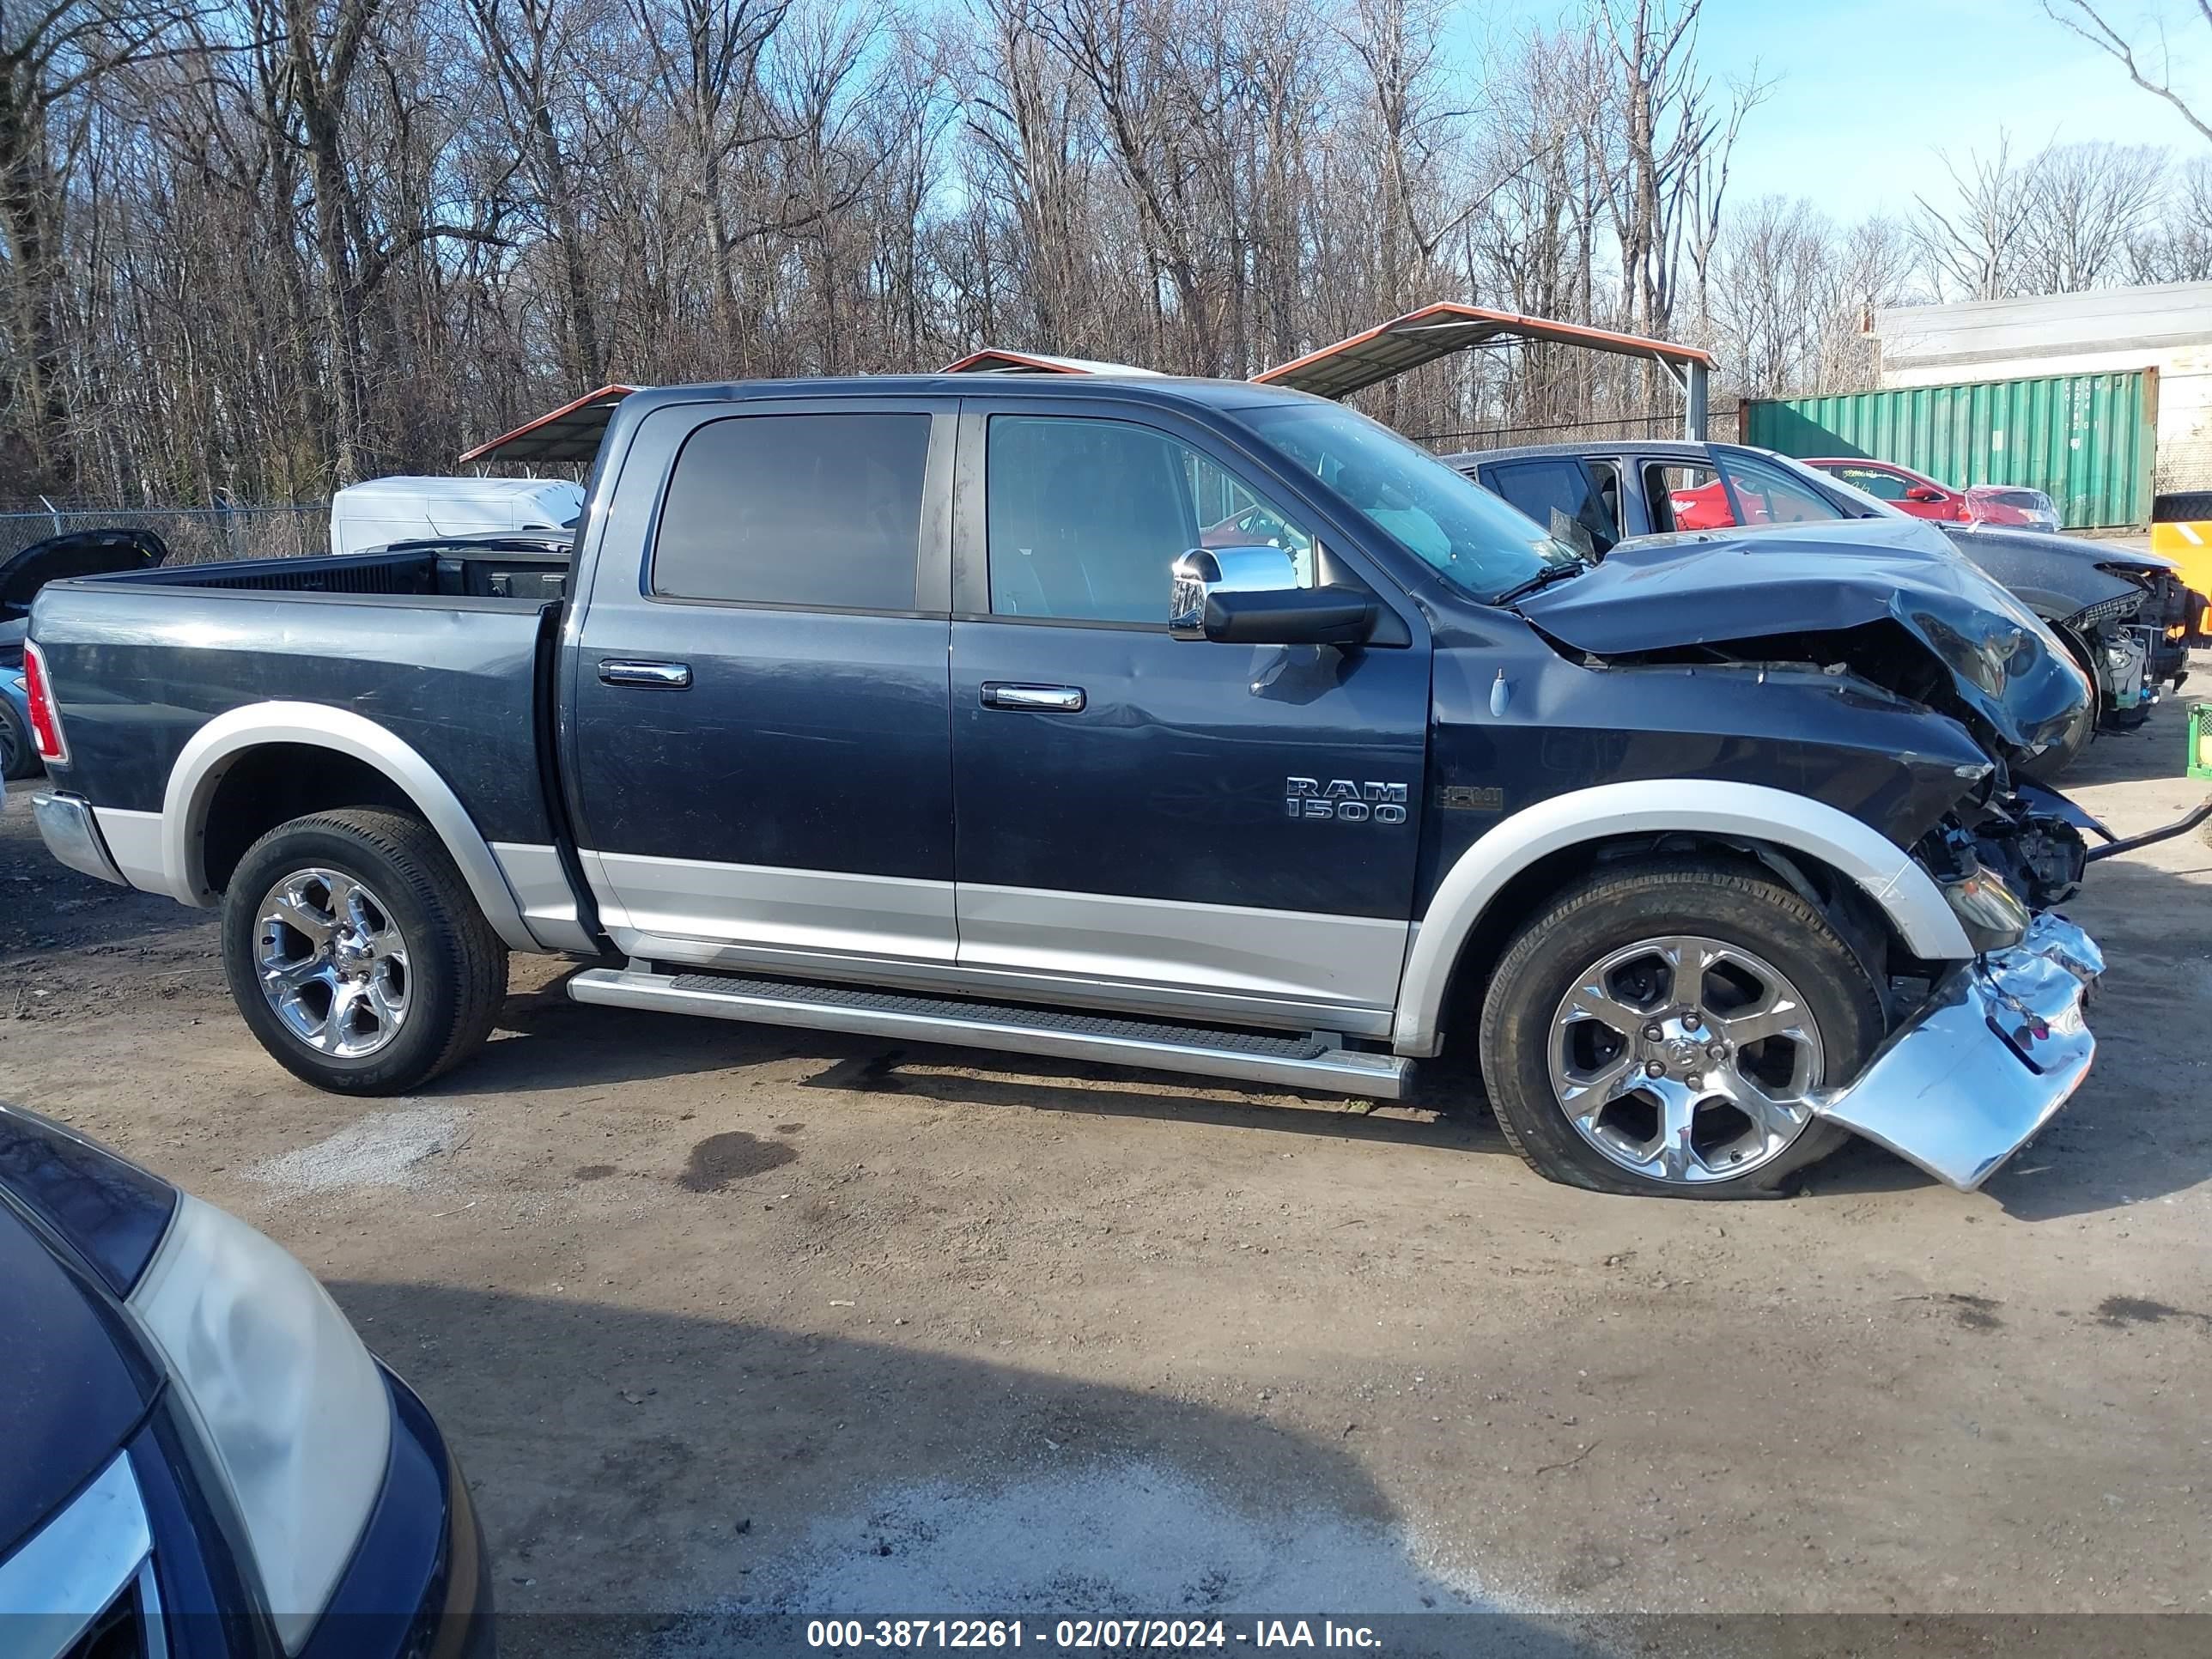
1992, 915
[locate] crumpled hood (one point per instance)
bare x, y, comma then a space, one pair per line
1722, 588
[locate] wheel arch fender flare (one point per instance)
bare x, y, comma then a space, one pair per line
1903, 892
210, 751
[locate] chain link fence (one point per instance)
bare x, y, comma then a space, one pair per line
193, 535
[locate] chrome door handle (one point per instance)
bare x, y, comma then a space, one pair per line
1038, 699
665, 676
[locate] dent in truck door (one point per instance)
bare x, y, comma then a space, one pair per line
1236, 821
759, 700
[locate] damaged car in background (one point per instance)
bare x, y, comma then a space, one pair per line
1711, 854
2123, 613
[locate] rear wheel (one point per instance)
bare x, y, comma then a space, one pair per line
356, 953
1663, 1029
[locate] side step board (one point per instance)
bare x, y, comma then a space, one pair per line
1318, 1062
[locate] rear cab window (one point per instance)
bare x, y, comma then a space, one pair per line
819, 512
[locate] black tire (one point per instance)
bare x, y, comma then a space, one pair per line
2182, 506
456, 965
1615, 910
19, 755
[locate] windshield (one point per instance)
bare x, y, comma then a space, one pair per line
1449, 522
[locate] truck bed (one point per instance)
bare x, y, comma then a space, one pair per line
443, 645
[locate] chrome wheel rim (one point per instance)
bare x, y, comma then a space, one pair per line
332, 964
1685, 1060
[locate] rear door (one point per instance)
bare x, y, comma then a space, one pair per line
758, 738
1148, 823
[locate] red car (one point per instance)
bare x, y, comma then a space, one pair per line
1924, 498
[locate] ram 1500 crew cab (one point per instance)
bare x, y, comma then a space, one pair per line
941, 711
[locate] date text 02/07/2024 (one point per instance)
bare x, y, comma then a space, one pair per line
1109, 1635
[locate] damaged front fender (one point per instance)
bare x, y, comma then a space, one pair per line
1985, 1062
1807, 590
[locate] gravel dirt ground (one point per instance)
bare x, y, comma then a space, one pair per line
722, 1319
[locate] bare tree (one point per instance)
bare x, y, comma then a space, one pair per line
2085, 204
2150, 65
1973, 238
2177, 247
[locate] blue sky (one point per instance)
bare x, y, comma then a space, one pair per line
1867, 90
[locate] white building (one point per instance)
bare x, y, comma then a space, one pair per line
2166, 328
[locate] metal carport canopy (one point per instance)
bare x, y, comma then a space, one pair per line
996, 360
1437, 330
570, 433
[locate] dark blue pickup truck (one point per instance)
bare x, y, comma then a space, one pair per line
1189, 725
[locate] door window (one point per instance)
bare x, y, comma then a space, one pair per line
1766, 494
817, 511
1558, 484
1686, 498
1085, 518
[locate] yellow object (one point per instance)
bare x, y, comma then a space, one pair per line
2190, 546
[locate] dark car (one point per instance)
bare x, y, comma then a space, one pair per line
2123, 614
921, 708
201, 1457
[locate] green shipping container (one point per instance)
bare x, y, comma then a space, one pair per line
2088, 441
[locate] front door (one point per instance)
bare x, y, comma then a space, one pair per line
760, 743
1219, 830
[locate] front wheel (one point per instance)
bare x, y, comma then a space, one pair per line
356, 953
1662, 1029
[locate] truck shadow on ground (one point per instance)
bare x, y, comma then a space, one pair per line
567, 1045
655, 1483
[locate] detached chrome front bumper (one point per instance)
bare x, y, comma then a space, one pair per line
1996, 1049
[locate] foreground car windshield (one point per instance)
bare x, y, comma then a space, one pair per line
1473, 538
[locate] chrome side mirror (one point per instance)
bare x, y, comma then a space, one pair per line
1206, 571
1251, 596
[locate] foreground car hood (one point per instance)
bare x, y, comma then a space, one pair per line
68, 1398
1731, 589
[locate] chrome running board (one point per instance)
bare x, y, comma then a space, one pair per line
1315, 1062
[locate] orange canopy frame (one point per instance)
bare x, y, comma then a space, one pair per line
1437, 330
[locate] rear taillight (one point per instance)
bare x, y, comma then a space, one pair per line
45, 719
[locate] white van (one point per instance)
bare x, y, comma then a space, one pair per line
386, 510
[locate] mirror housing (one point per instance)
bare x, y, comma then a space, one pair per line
1923, 493
1251, 596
